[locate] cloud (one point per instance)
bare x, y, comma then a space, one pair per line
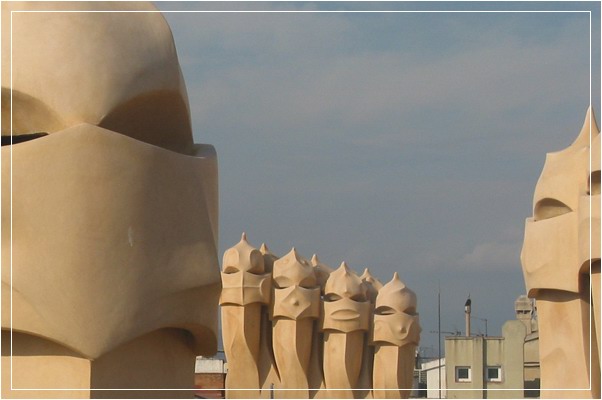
407, 143
490, 256
302, 74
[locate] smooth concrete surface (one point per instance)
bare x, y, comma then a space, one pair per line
109, 222
245, 289
295, 309
560, 259
321, 329
396, 336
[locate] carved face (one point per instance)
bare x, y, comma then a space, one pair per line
395, 318
296, 294
243, 280
556, 249
346, 304
117, 71
112, 204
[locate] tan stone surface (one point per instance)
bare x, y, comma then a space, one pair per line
114, 213
558, 254
128, 75
316, 371
41, 364
322, 271
345, 321
391, 366
395, 338
320, 344
82, 244
295, 305
373, 285
316, 362
245, 289
268, 372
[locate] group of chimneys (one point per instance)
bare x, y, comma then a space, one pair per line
321, 270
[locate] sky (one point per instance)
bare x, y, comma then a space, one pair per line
398, 141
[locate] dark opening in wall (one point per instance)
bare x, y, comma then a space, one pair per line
6, 139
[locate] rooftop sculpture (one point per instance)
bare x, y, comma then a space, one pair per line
561, 265
334, 334
110, 229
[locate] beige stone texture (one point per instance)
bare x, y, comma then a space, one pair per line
268, 258
344, 321
373, 285
127, 74
315, 376
319, 343
391, 366
38, 364
396, 334
322, 271
245, 289
296, 306
561, 258
316, 362
102, 268
268, 372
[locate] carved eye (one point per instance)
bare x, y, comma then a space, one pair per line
384, 310
550, 208
26, 117
6, 139
410, 311
256, 260
308, 282
231, 260
230, 270
159, 118
358, 297
332, 297
281, 282
594, 183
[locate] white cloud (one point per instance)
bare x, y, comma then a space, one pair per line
491, 255
390, 145
296, 77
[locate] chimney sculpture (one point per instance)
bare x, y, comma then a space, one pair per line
245, 289
373, 285
109, 214
316, 371
561, 259
322, 272
295, 305
396, 336
318, 337
345, 320
268, 373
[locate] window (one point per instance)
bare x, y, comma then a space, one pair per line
494, 374
462, 374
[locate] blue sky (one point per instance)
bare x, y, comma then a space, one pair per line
407, 142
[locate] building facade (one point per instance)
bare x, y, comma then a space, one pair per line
435, 379
504, 366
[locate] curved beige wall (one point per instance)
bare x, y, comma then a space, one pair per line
110, 222
112, 69
560, 259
